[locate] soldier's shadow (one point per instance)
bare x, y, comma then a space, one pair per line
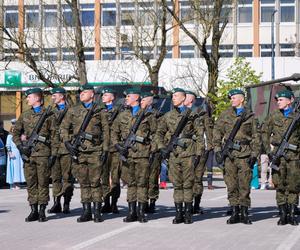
263, 213
4, 211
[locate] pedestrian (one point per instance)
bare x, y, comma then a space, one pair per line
243, 154
14, 171
286, 178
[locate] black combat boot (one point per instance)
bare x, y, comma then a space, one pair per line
86, 214
97, 212
196, 208
188, 213
235, 217
67, 200
151, 208
42, 216
297, 211
292, 218
114, 200
245, 216
179, 213
141, 212
283, 215
56, 208
229, 211
106, 208
132, 215
34, 214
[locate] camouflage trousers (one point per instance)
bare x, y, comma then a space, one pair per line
37, 175
138, 175
287, 182
199, 172
153, 185
62, 180
111, 174
88, 171
237, 177
181, 174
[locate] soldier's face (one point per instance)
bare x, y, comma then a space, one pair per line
178, 98
86, 95
237, 101
132, 99
146, 101
189, 99
283, 102
33, 99
108, 97
57, 98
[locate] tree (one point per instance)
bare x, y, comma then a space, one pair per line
239, 75
212, 16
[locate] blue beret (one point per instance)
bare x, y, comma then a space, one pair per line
233, 92
284, 93
33, 91
58, 90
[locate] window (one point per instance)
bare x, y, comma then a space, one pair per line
287, 49
186, 12
187, 51
226, 50
87, 12
267, 9
67, 16
50, 54
287, 10
11, 17
146, 13
32, 16
127, 53
245, 11
89, 53
226, 13
169, 52
109, 14
266, 50
127, 14
245, 50
50, 16
108, 53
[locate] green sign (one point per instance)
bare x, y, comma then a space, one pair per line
12, 77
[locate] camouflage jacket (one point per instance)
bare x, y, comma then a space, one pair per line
248, 135
57, 144
192, 135
97, 127
273, 130
24, 126
121, 129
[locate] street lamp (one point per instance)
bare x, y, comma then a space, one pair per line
272, 44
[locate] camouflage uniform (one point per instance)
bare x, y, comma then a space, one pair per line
237, 172
181, 162
137, 161
36, 170
88, 168
62, 179
287, 178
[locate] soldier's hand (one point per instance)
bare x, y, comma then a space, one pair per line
251, 161
51, 160
73, 151
164, 153
273, 159
219, 157
104, 156
24, 150
121, 149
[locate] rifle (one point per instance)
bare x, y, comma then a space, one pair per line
174, 142
284, 144
230, 144
116, 112
132, 138
81, 136
158, 114
28, 146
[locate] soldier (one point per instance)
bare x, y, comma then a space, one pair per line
237, 170
287, 179
62, 180
137, 155
112, 167
36, 160
87, 167
181, 163
200, 168
155, 159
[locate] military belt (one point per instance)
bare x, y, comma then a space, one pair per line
242, 143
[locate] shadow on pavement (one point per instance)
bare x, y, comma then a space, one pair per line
4, 211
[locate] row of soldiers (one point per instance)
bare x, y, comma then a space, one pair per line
100, 144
